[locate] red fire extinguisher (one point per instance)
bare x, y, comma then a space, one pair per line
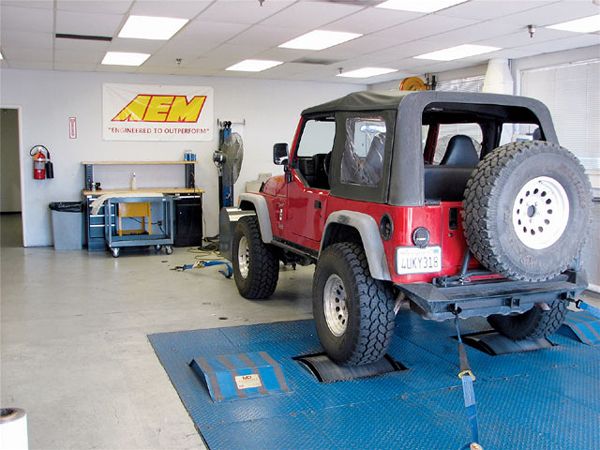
42, 166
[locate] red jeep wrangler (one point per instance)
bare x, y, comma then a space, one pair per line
461, 203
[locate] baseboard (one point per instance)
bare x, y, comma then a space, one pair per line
594, 288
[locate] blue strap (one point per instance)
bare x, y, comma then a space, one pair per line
470, 406
594, 311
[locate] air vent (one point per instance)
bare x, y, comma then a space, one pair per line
83, 37
316, 61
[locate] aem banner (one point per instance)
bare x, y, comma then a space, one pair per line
144, 112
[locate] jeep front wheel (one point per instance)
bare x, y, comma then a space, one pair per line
536, 323
354, 313
255, 264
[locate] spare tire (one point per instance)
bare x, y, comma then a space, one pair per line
527, 209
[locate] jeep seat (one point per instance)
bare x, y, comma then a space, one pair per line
447, 182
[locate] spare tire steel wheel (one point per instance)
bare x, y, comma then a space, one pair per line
526, 210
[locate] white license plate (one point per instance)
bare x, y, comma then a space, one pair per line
418, 260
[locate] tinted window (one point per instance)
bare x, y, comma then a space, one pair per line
317, 137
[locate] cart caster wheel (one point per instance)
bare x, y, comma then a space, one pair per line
157, 248
168, 249
115, 252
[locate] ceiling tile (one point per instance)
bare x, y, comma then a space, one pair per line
30, 64
475, 32
95, 6
181, 9
81, 45
43, 4
423, 27
491, 9
267, 36
81, 56
285, 54
19, 19
522, 38
371, 20
27, 54
355, 47
87, 23
211, 31
550, 14
14, 38
310, 15
76, 66
241, 11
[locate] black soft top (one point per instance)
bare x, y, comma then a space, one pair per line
390, 100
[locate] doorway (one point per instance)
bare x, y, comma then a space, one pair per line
11, 223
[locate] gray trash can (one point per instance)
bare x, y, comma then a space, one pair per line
67, 225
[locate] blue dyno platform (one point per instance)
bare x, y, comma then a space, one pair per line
547, 399
585, 326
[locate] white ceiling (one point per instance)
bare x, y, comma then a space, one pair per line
223, 32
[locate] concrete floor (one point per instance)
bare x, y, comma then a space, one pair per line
74, 350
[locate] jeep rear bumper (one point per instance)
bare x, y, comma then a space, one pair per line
487, 298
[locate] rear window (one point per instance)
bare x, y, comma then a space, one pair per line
515, 132
448, 131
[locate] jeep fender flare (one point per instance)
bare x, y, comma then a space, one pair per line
262, 213
369, 234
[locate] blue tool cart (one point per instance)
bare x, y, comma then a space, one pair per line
163, 220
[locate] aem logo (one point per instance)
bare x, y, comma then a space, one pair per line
162, 108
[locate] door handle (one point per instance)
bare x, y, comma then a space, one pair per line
317, 204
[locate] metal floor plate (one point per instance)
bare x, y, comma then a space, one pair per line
544, 399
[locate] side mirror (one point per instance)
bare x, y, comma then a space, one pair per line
280, 154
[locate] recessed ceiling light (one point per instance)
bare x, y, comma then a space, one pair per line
366, 72
425, 6
458, 52
254, 65
125, 58
589, 24
148, 27
319, 40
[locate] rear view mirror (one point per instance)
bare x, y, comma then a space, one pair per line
280, 154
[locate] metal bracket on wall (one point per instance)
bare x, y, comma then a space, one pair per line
221, 123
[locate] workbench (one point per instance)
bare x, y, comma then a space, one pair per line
96, 224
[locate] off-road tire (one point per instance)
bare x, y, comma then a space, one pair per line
491, 195
370, 304
263, 267
533, 324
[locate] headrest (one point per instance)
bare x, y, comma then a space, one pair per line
460, 152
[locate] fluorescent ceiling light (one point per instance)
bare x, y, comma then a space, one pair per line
458, 52
424, 6
1, 57
148, 27
589, 24
125, 58
254, 65
319, 40
366, 72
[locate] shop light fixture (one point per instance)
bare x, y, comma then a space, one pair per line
424, 6
589, 24
254, 65
149, 27
319, 40
458, 52
366, 72
125, 58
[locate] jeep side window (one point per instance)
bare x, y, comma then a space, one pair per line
362, 160
314, 152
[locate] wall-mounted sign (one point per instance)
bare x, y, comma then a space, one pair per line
133, 112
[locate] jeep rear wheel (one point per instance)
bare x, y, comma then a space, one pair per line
255, 264
527, 207
533, 324
354, 313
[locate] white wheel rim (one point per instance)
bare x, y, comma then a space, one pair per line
244, 257
540, 212
334, 305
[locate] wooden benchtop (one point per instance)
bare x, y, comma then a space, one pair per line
142, 191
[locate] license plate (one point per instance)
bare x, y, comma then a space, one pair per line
418, 260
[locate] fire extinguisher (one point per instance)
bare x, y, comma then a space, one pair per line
42, 166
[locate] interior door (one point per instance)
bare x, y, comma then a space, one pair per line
308, 189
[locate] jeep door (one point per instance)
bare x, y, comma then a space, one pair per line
308, 188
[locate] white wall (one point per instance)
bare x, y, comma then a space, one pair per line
49, 98
10, 187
